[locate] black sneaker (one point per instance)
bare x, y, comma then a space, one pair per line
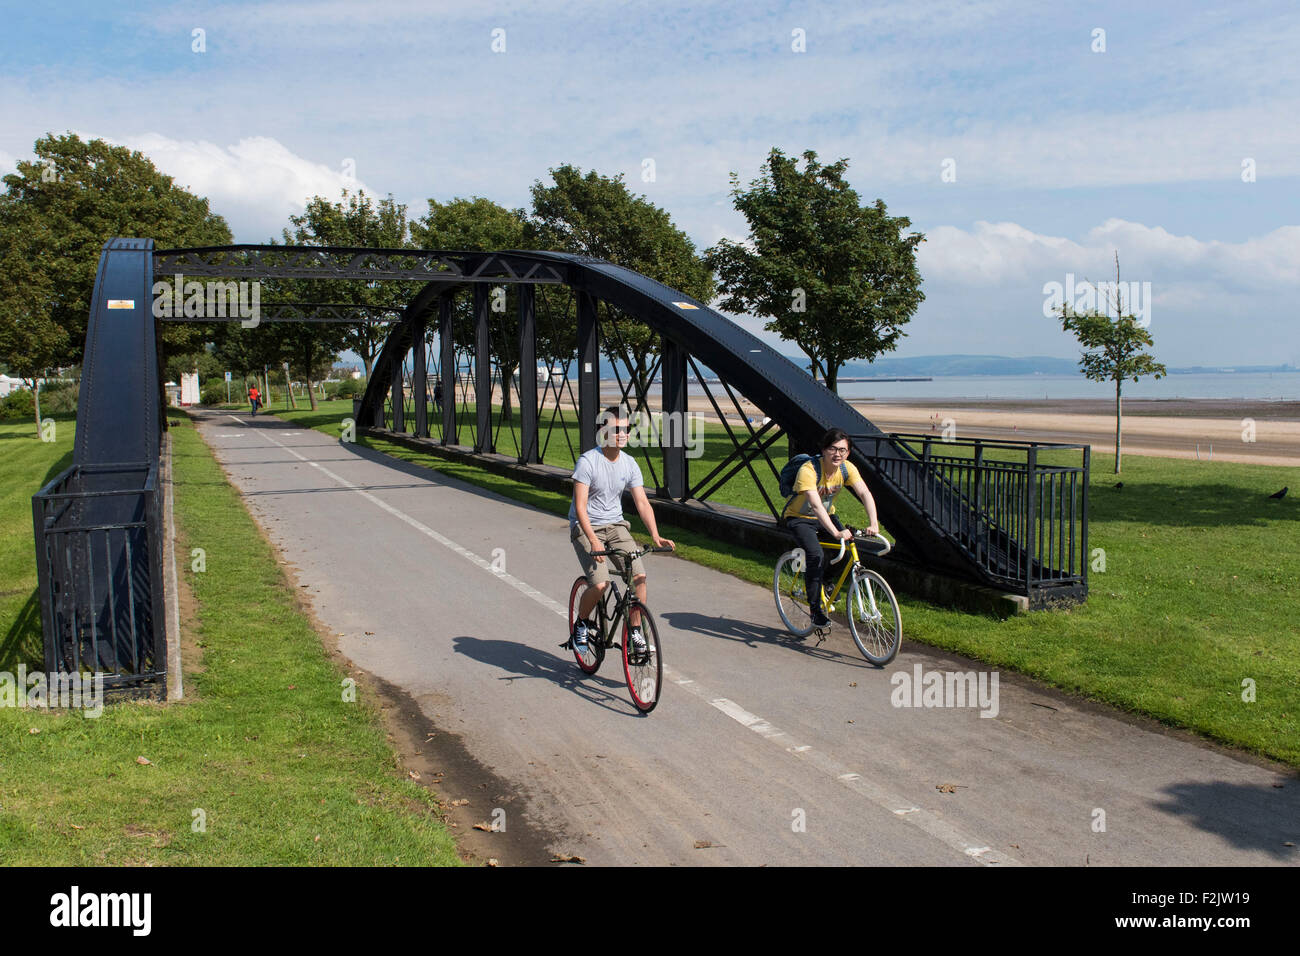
819, 618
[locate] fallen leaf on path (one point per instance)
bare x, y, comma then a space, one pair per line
413, 775
707, 844
487, 827
459, 803
75, 827
568, 859
950, 787
34, 730
142, 761
492, 861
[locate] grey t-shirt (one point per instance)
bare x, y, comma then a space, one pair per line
606, 481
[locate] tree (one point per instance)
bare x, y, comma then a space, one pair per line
1112, 349
311, 348
596, 215
479, 225
356, 220
836, 278
55, 215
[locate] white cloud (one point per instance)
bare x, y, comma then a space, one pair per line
1211, 300
7, 163
256, 183
993, 254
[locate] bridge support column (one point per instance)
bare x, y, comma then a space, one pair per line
420, 376
673, 434
449, 371
399, 407
529, 451
588, 372
482, 372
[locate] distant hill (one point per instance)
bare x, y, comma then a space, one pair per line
928, 366
960, 365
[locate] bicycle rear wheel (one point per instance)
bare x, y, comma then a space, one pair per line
789, 587
644, 670
589, 657
879, 632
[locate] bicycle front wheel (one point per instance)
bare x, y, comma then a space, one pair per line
874, 621
644, 668
789, 587
588, 657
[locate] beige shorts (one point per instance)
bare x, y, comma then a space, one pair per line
611, 536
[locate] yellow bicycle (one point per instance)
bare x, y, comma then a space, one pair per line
870, 605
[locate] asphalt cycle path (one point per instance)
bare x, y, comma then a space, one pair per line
763, 750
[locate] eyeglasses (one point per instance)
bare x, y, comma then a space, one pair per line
619, 429
838, 451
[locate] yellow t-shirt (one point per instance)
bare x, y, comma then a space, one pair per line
806, 479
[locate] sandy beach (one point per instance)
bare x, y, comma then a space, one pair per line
1214, 431
1211, 429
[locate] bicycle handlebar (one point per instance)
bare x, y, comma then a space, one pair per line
614, 552
857, 533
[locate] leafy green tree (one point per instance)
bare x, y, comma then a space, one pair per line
597, 215
1113, 349
355, 220
836, 278
480, 225
311, 348
55, 214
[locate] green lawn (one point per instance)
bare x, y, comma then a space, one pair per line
1201, 569
264, 763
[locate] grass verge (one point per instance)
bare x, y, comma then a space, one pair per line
264, 763
1193, 620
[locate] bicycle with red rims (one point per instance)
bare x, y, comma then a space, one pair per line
644, 670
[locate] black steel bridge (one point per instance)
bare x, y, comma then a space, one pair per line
1008, 516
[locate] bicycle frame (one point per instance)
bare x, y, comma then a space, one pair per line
828, 600
624, 602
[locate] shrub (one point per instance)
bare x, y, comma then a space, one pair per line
19, 404
213, 392
351, 387
59, 397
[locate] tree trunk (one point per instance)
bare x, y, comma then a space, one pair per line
507, 410
1119, 416
832, 376
36, 398
288, 387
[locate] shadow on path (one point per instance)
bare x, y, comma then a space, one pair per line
1248, 816
521, 662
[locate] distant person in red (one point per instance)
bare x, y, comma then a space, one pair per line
254, 399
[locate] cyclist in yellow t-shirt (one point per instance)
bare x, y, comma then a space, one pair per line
812, 509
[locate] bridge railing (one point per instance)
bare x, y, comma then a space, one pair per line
1018, 509
99, 539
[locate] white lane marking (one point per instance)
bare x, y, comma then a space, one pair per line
905, 810
424, 529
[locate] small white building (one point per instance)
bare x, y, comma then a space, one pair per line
189, 388
10, 384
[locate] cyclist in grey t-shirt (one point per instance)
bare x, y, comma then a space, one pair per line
596, 520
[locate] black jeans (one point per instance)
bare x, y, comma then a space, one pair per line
806, 531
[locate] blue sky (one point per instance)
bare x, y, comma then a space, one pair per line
1062, 153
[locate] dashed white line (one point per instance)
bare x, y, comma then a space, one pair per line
925, 820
